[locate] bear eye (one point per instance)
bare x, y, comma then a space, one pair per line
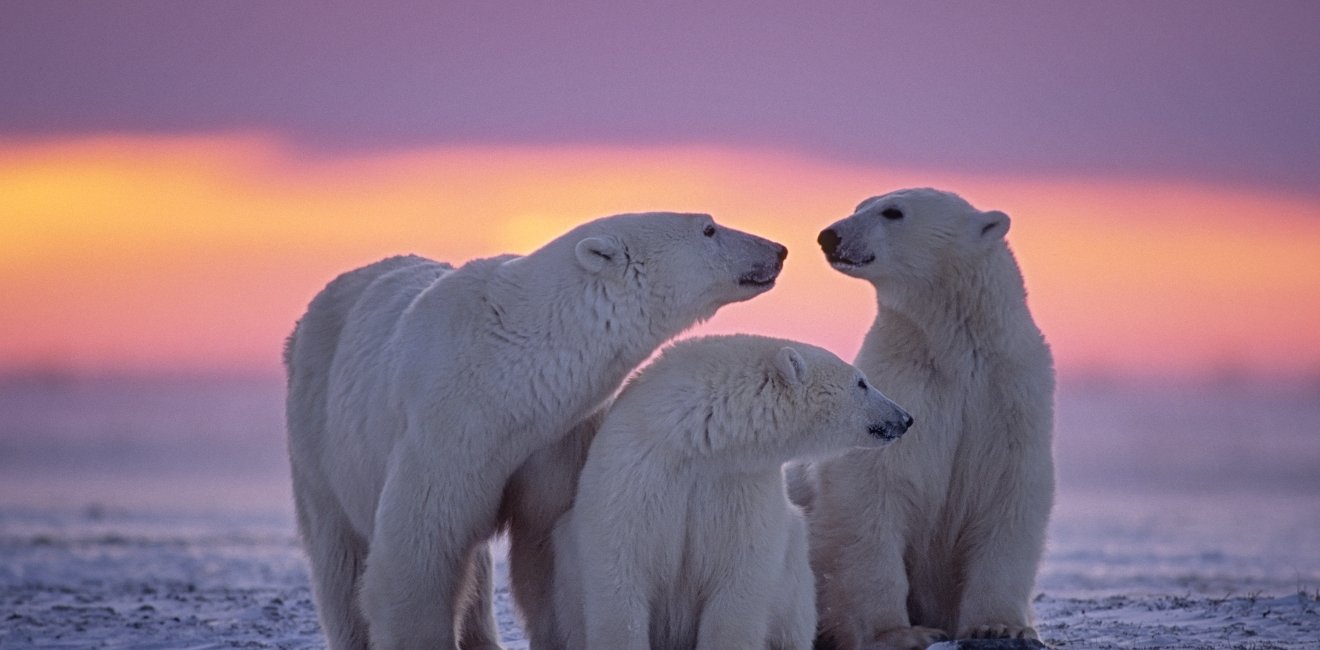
709, 230
892, 214
861, 383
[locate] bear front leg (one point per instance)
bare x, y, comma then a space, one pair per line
1000, 568
862, 585
995, 600
428, 522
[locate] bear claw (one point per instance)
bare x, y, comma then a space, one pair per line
1000, 631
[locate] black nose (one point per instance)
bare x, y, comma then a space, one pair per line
828, 240
783, 253
907, 421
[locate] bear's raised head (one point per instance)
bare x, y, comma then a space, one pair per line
683, 262
760, 400
911, 236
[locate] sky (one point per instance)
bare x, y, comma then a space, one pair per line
178, 179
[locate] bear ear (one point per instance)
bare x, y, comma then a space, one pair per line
791, 366
991, 226
596, 254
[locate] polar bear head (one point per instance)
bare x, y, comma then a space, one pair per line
682, 263
833, 405
911, 236
759, 400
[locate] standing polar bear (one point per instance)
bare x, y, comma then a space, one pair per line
681, 535
417, 389
942, 533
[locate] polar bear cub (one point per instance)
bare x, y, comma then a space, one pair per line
417, 389
681, 535
943, 532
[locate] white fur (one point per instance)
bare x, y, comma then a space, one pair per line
537, 495
682, 535
945, 530
416, 390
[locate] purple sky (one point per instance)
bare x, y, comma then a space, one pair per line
1211, 91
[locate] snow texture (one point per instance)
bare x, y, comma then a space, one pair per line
105, 578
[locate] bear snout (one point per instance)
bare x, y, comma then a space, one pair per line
829, 241
890, 431
762, 275
842, 257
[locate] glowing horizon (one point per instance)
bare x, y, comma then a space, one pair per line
198, 252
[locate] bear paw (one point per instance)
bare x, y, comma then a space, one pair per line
999, 631
907, 638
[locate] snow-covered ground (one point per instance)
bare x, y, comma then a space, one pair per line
145, 516
105, 578
1134, 571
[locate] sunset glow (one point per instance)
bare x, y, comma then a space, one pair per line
197, 253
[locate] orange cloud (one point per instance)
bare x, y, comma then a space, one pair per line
199, 252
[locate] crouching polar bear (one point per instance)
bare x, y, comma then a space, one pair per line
417, 389
681, 534
944, 531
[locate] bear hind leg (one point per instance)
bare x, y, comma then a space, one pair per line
337, 555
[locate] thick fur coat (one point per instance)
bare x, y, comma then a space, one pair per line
682, 535
416, 390
941, 534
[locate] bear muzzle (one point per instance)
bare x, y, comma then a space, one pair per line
830, 242
764, 275
891, 430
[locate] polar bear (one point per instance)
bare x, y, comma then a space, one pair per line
536, 497
681, 535
417, 389
942, 533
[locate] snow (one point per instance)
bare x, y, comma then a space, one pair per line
109, 578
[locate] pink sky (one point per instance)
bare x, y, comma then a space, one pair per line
178, 179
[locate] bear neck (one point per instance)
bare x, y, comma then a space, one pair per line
598, 325
974, 305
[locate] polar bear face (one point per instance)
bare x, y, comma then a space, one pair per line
910, 236
681, 260
836, 406
758, 400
